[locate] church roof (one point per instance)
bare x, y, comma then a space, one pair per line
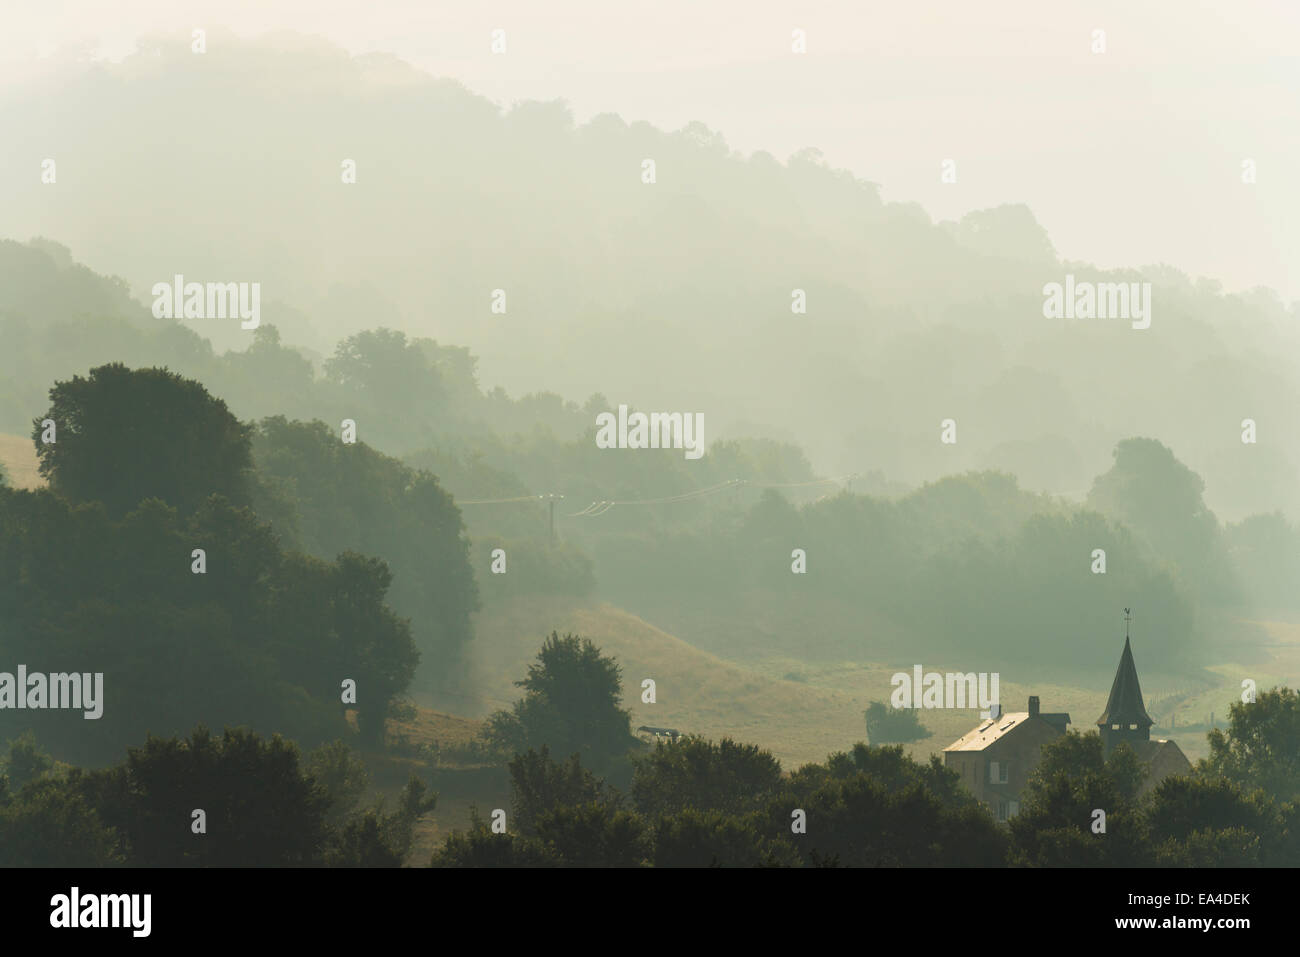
1149, 750
1125, 707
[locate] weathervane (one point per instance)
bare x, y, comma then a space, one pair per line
1127, 618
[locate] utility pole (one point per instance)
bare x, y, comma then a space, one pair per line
552, 496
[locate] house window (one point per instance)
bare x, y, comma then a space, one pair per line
1114, 727
1132, 727
999, 772
1013, 808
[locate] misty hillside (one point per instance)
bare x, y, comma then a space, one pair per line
642, 450
892, 562
674, 295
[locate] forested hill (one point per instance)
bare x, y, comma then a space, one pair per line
674, 294
890, 561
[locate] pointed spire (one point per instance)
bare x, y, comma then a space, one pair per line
1125, 706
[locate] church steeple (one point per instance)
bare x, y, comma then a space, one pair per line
1125, 717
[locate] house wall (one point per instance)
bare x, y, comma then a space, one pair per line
1020, 749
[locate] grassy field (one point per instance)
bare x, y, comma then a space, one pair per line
802, 711
695, 691
460, 788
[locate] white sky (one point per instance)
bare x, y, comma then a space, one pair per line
1127, 158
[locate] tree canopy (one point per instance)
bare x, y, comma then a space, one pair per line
124, 435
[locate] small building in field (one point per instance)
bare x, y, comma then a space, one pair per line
655, 735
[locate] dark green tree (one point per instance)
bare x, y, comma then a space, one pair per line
260, 809
25, 761
862, 821
341, 774
48, 824
373, 641
328, 498
695, 773
571, 704
695, 838
539, 784
1200, 821
886, 725
264, 638
478, 846
595, 834
1074, 780
1261, 747
126, 435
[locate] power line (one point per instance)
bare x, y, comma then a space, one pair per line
829, 481
501, 501
601, 507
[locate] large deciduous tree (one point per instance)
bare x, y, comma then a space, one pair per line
1261, 748
124, 435
572, 704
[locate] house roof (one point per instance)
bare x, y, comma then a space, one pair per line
988, 731
995, 729
1125, 705
1057, 719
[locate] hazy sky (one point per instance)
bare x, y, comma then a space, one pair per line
1127, 158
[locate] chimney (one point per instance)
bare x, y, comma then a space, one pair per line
1033, 706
